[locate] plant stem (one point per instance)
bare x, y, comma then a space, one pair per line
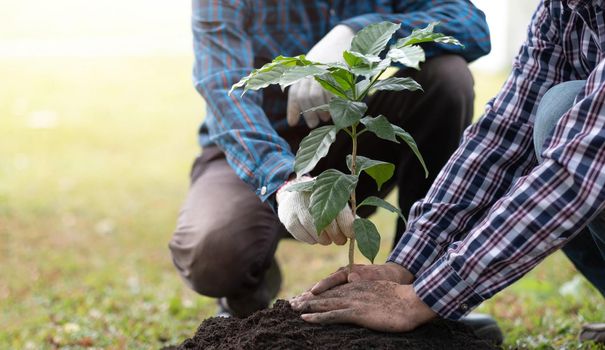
372, 83
353, 199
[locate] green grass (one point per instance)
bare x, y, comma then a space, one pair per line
94, 156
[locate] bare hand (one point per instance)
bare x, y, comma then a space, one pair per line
379, 305
385, 272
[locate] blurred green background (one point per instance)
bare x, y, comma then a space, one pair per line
98, 122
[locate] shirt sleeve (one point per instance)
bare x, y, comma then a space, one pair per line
236, 124
457, 18
515, 212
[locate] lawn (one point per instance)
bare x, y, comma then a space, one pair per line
94, 156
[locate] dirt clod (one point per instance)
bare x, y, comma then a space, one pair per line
282, 328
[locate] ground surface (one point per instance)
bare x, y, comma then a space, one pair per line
281, 328
94, 155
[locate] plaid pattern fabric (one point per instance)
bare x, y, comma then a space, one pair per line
493, 212
231, 37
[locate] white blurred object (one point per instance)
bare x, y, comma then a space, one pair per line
572, 287
71, 327
76, 28
508, 22
105, 227
43, 119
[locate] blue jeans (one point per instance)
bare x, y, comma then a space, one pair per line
587, 249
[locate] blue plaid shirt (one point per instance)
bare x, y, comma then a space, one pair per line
231, 37
494, 213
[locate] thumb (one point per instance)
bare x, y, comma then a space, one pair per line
293, 109
345, 222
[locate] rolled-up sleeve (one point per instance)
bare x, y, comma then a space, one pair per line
467, 25
236, 124
493, 213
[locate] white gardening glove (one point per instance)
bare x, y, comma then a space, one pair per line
307, 93
293, 212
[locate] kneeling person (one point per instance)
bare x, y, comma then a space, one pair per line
228, 229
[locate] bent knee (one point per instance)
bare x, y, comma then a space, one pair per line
204, 262
221, 261
451, 78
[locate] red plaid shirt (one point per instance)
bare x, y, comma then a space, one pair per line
493, 212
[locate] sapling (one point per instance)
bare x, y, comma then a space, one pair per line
350, 83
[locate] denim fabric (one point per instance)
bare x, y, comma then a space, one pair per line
587, 250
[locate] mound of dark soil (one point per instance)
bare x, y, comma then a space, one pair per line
282, 328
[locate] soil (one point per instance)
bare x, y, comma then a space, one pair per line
282, 328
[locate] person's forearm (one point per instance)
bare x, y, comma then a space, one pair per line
494, 152
468, 25
543, 211
236, 124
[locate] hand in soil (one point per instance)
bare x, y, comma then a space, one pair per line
379, 305
385, 272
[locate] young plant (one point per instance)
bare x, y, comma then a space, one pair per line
350, 83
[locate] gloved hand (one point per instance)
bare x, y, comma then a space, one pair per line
307, 93
293, 212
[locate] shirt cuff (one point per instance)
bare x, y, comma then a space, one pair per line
274, 171
445, 292
416, 252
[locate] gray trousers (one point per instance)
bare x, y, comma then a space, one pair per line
225, 238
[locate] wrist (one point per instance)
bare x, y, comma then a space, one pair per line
420, 312
292, 179
400, 273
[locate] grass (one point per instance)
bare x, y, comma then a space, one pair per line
94, 156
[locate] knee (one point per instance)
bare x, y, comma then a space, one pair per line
450, 80
221, 259
543, 124
206, 262
449, 87
554, 103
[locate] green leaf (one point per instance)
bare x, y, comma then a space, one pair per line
380, 126
366, 59
261, 79
380, 171
330, 195
397, 84
409, 56
407, 138
426, 35
372, 39
320, 108
379, 202
269, 73
346, 112
371, 70
361, 86
297, 73
314, 147
306, 186
330, 84
368, 238
445, 39
343, 77
351, 59
300, 60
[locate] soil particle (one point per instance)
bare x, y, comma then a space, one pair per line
282, 328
